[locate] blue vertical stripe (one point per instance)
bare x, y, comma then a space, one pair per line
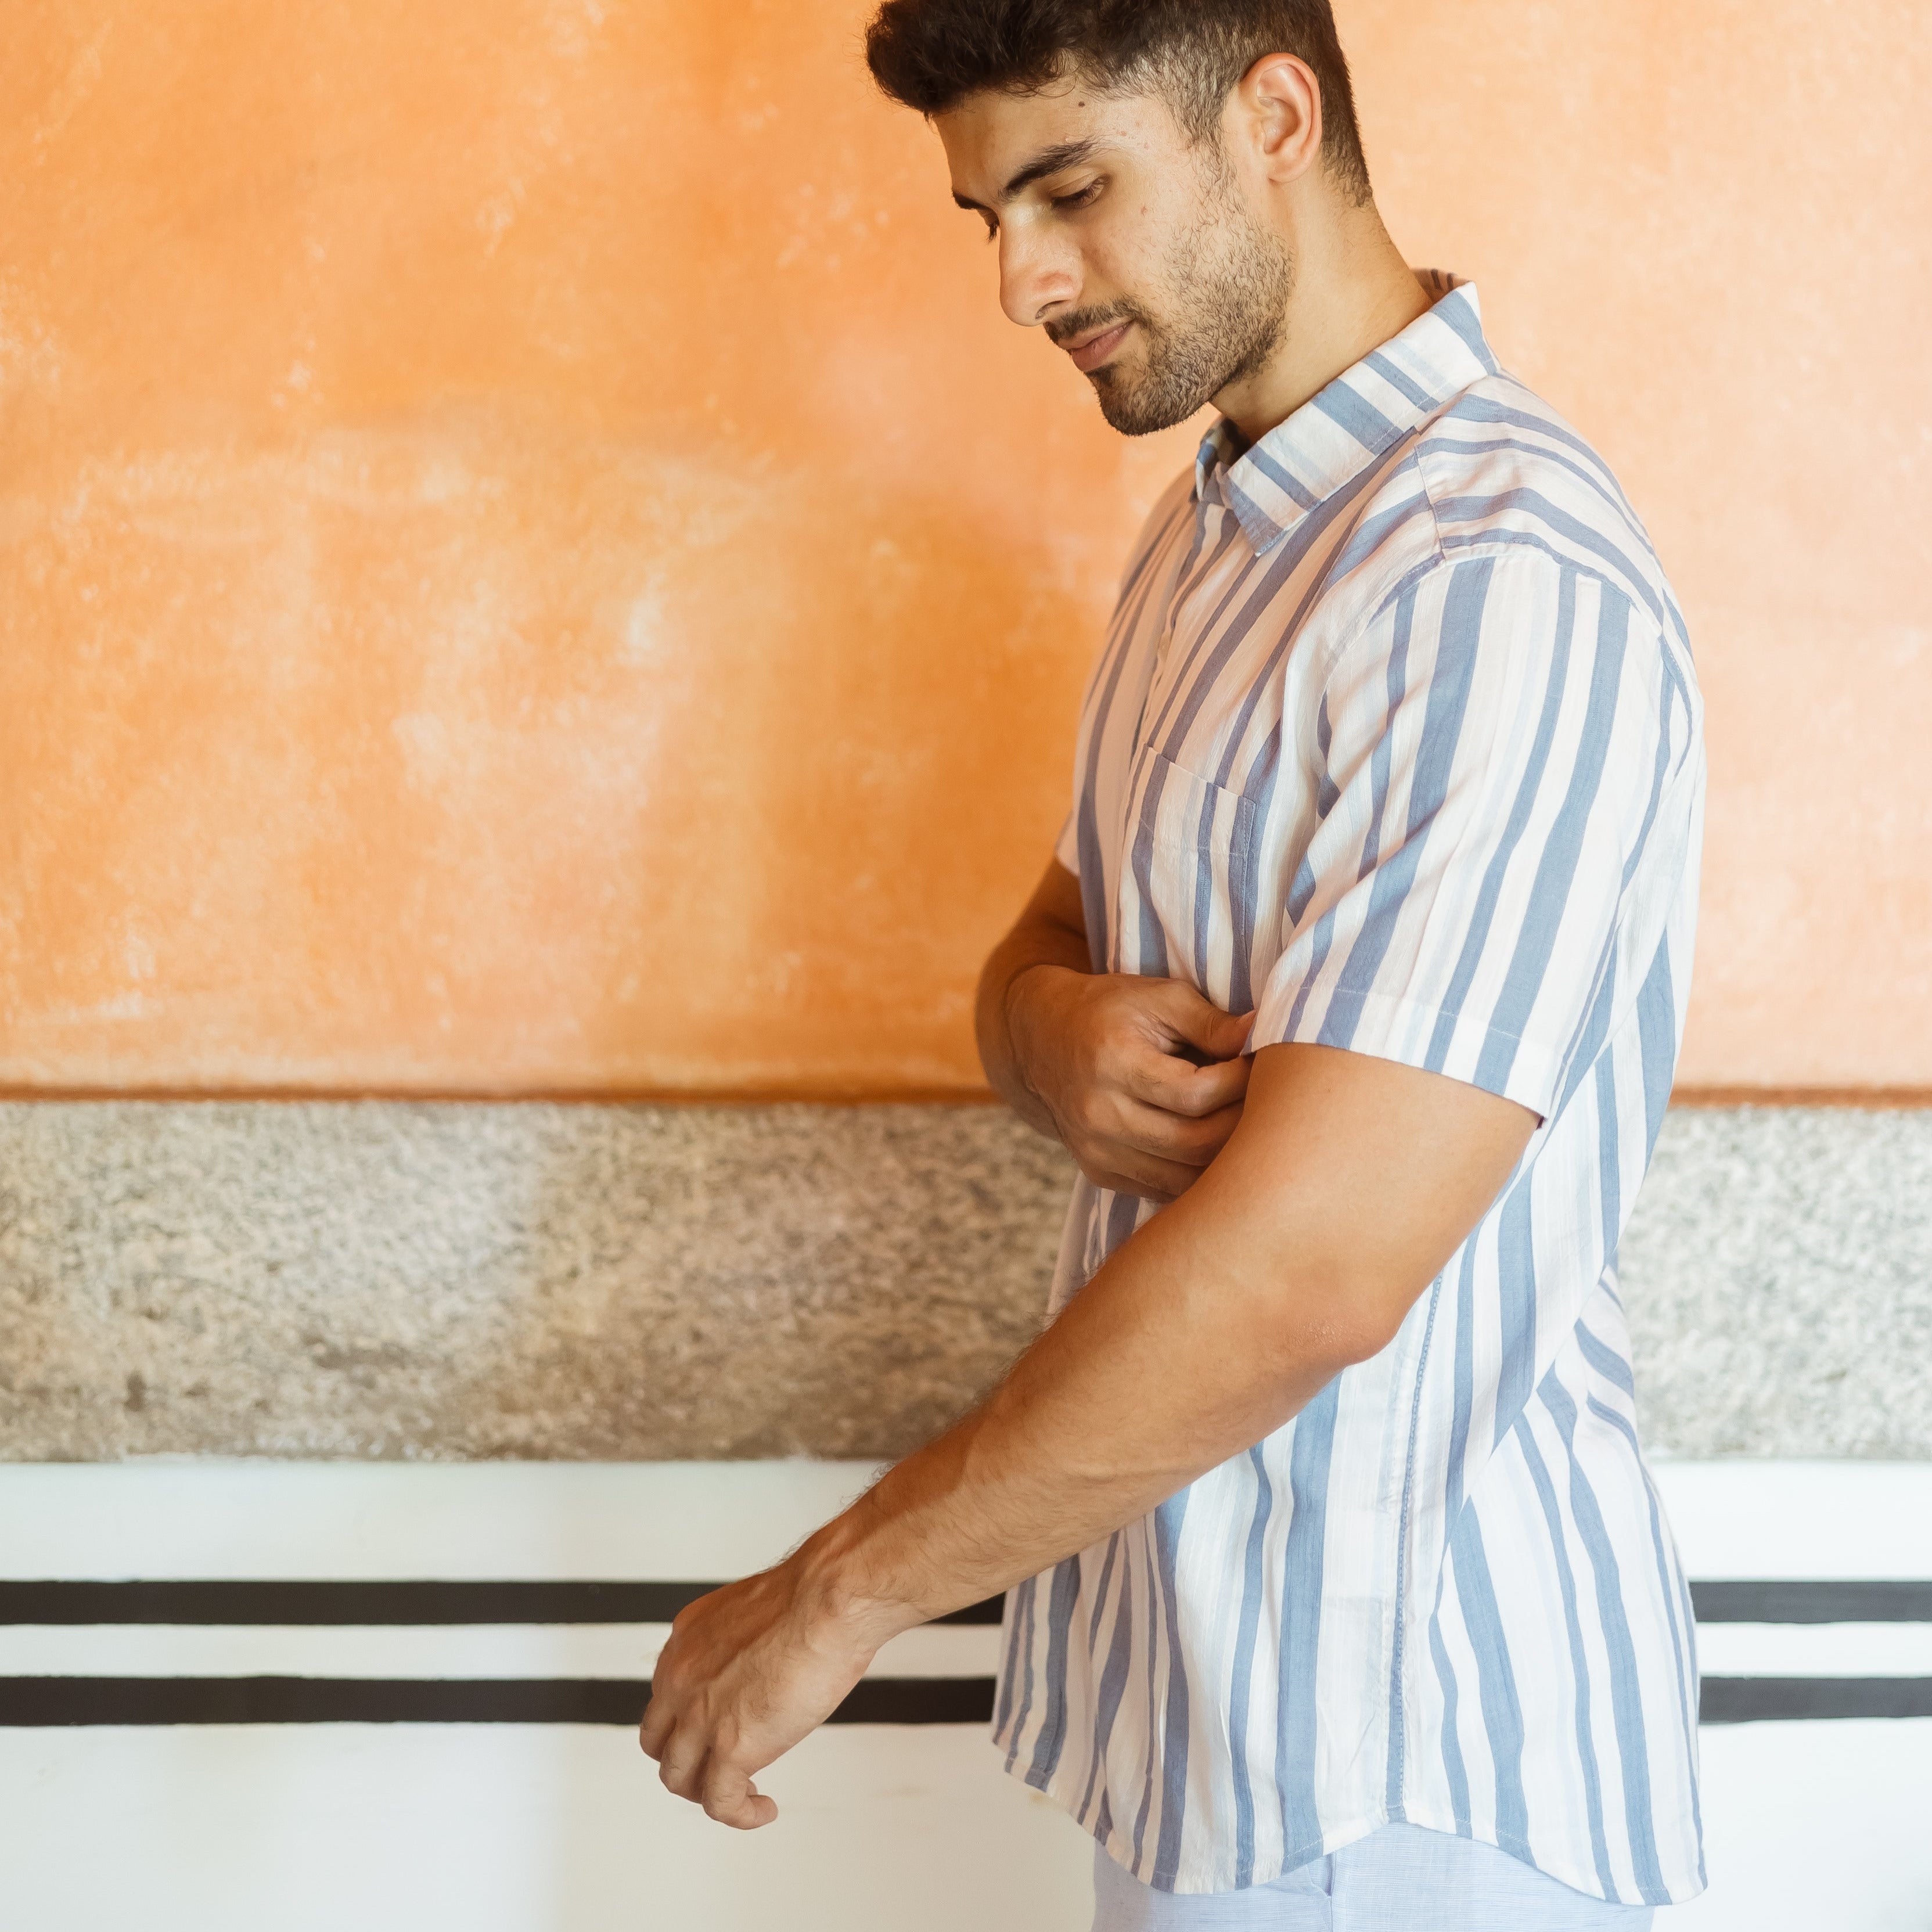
1150, 1710
1169, 1519
1009, 1618
1562, 853
1254, 1589
1613, 1620
1313, 1444
1657, 1036
1495, 1680
1455, 1771
1398, 1739
1516, 1298
1482, 918
1460, 633
1113, 1678
1670, 1585
1061, 1599
1022, 1646
1579, 1666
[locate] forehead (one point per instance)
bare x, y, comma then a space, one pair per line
991, 137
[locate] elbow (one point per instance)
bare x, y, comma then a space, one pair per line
1366, 1335
1348, 1316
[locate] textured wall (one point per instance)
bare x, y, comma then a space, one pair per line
528, 558
384, 1280
1778, 1273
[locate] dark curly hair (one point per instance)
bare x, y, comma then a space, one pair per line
930, 55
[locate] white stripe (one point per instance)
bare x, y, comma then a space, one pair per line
209, 1519
1801, 1519
419, 1651
1815, 1650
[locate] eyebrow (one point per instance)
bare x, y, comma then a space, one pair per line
1048, 161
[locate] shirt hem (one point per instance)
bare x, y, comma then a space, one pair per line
1588, 1885
1339, 1838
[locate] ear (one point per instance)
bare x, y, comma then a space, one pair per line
1276, 107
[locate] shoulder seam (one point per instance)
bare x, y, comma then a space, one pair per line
1502, 553
1413, 575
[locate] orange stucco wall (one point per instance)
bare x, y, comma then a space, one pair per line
529, 560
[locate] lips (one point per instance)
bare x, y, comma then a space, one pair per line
1089, 355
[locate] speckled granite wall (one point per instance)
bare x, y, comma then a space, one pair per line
381, 1280
1778, 1270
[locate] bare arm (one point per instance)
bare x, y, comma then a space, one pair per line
1141, 1079
1346, 1187
1051, 931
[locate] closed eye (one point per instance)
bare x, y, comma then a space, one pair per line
1080, 198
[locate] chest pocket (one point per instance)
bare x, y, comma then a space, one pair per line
1190, 895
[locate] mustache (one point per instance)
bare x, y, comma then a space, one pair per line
1085, 321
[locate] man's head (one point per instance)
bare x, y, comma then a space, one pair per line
1132, 158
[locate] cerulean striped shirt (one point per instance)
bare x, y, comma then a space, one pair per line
1395, 739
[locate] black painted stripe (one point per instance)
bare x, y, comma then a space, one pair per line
75, 1701
1745, 1700
315, 1602
1813, 1600
78, 1701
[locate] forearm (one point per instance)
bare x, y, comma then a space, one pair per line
1185, 1349
1343, 1194
1037, 940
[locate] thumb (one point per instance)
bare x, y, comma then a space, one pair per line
1227, 1033
1201, 1024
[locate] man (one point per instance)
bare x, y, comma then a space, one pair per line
1341, 1595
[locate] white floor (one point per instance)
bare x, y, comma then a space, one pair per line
1811, 1827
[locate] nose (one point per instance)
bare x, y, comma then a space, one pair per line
1039, 274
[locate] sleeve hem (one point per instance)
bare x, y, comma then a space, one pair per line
1513, 1066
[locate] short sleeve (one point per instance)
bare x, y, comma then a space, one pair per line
1067, 847
1492, 750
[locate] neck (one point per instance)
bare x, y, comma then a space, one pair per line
1352, 291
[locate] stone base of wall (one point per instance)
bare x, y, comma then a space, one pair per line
387, 1279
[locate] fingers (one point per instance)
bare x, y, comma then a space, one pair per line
1152, 1180
1178, 1086
654, 1727
703, 1772
728, 1795
1118, 1131
1163, 1136
1199, 1022
1193, 1143
680, 1769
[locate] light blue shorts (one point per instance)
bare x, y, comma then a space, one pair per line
1401, 1879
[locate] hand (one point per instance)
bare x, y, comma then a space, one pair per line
1116, 1059
749, 1670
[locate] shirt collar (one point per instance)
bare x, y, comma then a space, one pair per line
1334, 436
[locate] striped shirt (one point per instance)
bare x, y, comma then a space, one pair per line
1396, 739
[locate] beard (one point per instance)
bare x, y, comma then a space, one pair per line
1221, 311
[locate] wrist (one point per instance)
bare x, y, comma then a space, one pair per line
842, 1586
1027, 995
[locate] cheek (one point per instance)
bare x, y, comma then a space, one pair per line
1145, 252
1116, 262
